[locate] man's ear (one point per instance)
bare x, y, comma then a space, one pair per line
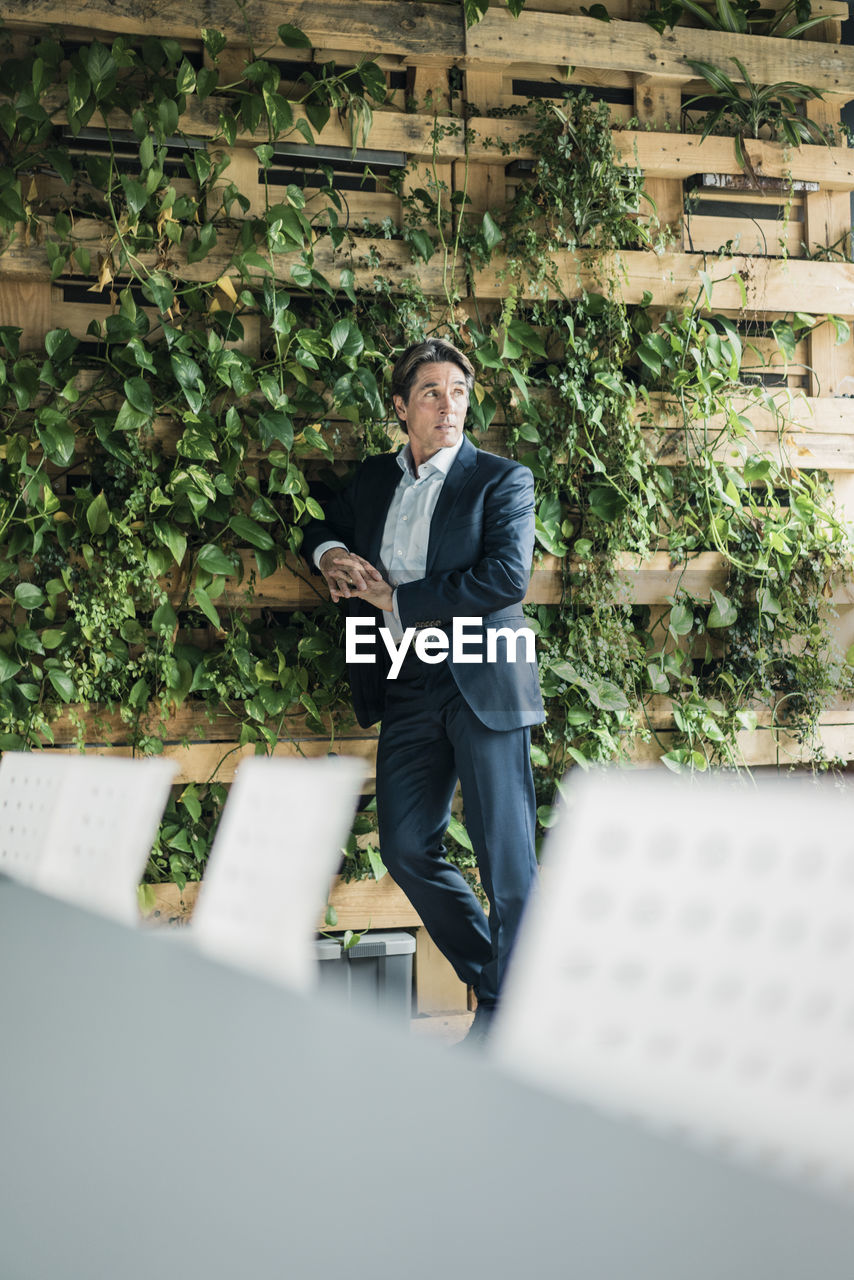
399, 406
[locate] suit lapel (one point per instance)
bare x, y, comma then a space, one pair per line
379, 497
455, 482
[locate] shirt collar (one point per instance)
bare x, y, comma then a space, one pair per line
441, 462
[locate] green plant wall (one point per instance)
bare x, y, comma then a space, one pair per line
170, 448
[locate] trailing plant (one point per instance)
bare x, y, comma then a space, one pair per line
156, 462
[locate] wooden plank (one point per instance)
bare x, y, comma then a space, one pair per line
398, 28
681, 155
658, 105
828, 225
636, 10
629, 46
821, 287
485, 185
758, 237
673, 279
28, 307
391, 130
378, 904
369, 257
217, 762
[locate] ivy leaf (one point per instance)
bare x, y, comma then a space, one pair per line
527, 336
213, 559
63, 684
346, 340
373, 79
378, 867
173, 539
293, 37
98, 514
422, 244
214, 41
658, 681
252, 532
29, 596
606, 503
139, 395
681, 620
189, 798
135, 194
205, 603
165, 618
276, 427
457, 832
723, 612
158, 289
56, 437
491, 231
8, 667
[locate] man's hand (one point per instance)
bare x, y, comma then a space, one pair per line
349, 575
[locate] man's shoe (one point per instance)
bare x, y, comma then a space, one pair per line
478, 1032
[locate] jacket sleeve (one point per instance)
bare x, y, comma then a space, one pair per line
338, 523
499, 577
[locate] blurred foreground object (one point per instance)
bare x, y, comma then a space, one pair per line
81, 827
276, 850
690, 961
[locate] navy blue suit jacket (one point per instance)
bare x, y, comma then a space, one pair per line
478, 565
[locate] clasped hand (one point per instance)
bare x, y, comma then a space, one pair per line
349, 575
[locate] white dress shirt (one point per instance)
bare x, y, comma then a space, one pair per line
403, 550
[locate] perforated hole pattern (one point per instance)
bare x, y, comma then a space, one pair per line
690, 960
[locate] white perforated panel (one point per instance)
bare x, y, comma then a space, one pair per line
277, 847
81, 827
689, 959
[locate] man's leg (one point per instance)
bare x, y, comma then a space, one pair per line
416, 778
494, 768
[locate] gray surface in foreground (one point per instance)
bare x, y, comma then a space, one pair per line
161, 1115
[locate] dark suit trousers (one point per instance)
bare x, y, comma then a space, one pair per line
428, 739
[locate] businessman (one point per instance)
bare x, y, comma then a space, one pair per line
417, 541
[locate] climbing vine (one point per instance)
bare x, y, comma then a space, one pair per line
157, 460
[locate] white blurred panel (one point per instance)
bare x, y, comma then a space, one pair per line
689, 960
81, 827
277, 847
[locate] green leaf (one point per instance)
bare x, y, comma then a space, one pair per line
63, 684
189, 798
681, 620
251, 532
491, 231
139, 395
8, 667
213, 559
606, 503
422, 244
172, 538
204, 602
165, 618
457, 832
98, 515
723, 612
214, 41
293, 37
29, 596
378, 867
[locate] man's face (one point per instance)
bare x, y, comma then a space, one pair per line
436, 412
